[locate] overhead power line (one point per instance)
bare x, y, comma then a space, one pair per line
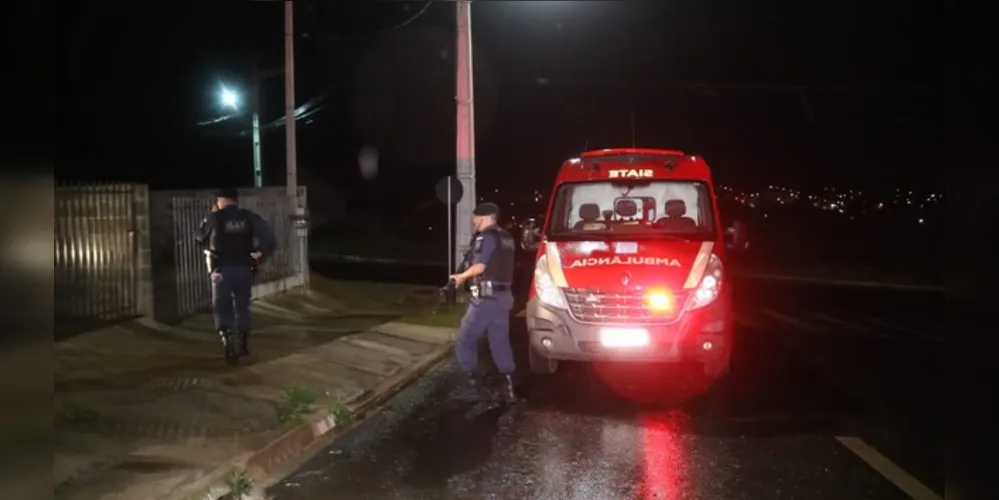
317, 103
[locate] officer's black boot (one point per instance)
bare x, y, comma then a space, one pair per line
471, 386
506, 390
229, 346
472, 381
244, 343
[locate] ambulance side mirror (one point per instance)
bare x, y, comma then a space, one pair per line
530, 234
735, 236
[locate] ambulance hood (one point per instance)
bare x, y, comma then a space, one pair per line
612, 265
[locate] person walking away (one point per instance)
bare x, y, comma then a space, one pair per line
237, 240
491, 278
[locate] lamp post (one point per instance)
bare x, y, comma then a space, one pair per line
296, 205
230, 100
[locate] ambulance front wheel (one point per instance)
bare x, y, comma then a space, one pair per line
541, 365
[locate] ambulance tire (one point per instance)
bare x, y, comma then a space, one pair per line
540, 365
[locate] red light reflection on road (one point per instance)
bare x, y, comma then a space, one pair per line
647, 383
663, 458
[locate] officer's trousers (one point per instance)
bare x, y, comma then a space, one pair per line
233, 289
492, 316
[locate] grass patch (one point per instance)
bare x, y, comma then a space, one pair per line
447, 316
383, 248
406, 299
296, 404
341, 413
413, 304
78, 413
240, 485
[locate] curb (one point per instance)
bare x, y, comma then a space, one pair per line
259, 464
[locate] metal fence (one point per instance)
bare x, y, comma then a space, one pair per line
122, 251
180, 275
95, 268
193, 290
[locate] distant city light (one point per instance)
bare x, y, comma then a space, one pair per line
849, 202
896, 205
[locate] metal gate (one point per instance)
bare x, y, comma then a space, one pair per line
96, 258
194, 291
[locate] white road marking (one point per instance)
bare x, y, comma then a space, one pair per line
793, 321
852, 326
904, 481
893, 473
910, 331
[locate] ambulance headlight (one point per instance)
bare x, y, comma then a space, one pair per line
544, 285
710, 287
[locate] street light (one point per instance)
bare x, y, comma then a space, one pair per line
230, 99
291, 158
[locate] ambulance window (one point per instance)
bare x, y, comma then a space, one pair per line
680, 207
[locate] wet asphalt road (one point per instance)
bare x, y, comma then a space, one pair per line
816, 371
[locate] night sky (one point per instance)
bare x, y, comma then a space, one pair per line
775, 91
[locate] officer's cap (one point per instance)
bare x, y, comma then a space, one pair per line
230, 193
486, 208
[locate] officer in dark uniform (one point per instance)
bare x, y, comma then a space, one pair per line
237, 241
490, 277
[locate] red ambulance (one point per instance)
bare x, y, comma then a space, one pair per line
630, 264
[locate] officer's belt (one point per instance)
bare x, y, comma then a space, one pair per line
501, 287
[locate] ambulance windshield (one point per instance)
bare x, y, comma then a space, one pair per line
656, 209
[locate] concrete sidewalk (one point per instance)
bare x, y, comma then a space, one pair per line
152, 412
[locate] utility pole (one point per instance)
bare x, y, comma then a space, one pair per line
289, 100
291, 159
465, 140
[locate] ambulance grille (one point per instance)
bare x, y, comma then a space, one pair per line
590, 305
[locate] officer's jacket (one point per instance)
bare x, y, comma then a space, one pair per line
233, 233
496, 248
